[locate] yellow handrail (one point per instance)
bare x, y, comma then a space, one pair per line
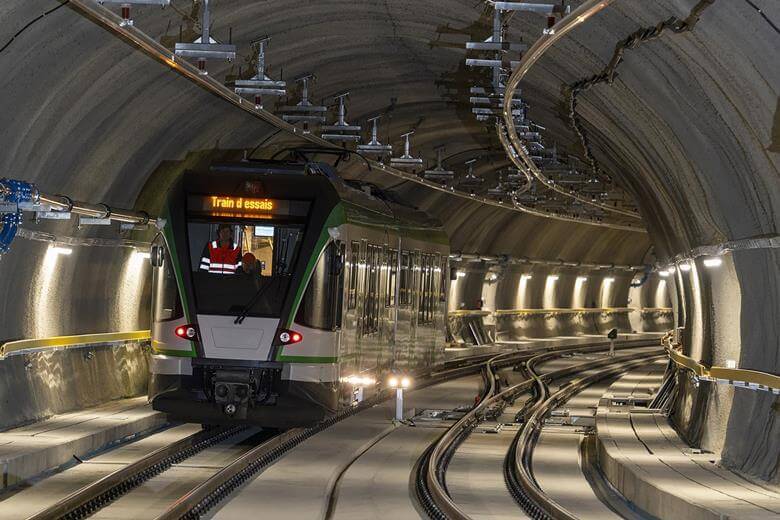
72, 341
468, 312
765, 379
576, 310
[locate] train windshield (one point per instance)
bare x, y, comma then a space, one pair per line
243, 268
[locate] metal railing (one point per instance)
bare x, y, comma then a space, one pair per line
76, 341
740, 377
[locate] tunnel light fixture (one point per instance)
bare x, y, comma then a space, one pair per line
399, 382
664, 273
356, 380
60, 250
609, 279
582, 279
525, 277
461, 274
553, 277
493, 277
713, 261
145, 255
685, 267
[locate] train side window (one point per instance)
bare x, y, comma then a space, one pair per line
354, 260
425, 289
392, 276
166, 304
371, 302
406, 278
321, 303
443, 278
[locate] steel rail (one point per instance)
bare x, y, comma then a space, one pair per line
199, 500
110, 21
568, 23
219, 486
530, 496
430, 486
96, 495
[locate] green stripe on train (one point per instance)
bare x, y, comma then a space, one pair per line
336, 218
174, 262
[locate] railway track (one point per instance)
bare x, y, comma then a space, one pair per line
430, 482
99, 494
205, 494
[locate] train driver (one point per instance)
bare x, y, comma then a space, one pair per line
221, 256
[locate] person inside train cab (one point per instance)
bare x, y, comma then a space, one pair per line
250, 265
223, 255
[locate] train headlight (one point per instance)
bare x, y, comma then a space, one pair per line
288, 337
189, 332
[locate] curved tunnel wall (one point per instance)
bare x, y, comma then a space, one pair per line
690, 126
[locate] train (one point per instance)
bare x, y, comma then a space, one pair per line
282, 294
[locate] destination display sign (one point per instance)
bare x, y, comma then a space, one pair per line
247, 207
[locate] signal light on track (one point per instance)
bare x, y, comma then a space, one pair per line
186, 332
288, 337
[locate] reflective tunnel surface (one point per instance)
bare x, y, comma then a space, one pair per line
449, 258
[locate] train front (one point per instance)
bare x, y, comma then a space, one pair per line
229, 271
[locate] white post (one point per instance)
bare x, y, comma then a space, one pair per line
399, 404
611, 347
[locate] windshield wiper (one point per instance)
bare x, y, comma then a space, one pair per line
245, 311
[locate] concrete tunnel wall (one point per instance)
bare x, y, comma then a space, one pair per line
691, 124
690, 127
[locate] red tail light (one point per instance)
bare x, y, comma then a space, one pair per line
288, 337
189, 332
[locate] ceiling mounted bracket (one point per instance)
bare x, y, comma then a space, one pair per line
374, 147
124, 5
205, 48
341, 131
260, 84
406, 160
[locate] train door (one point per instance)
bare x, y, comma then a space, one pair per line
414, 286
403, 323
350, 335
391, 306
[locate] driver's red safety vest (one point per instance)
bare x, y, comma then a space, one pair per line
221, 260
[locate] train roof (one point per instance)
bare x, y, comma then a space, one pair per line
363, 202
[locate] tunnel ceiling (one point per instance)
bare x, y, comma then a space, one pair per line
686, 128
